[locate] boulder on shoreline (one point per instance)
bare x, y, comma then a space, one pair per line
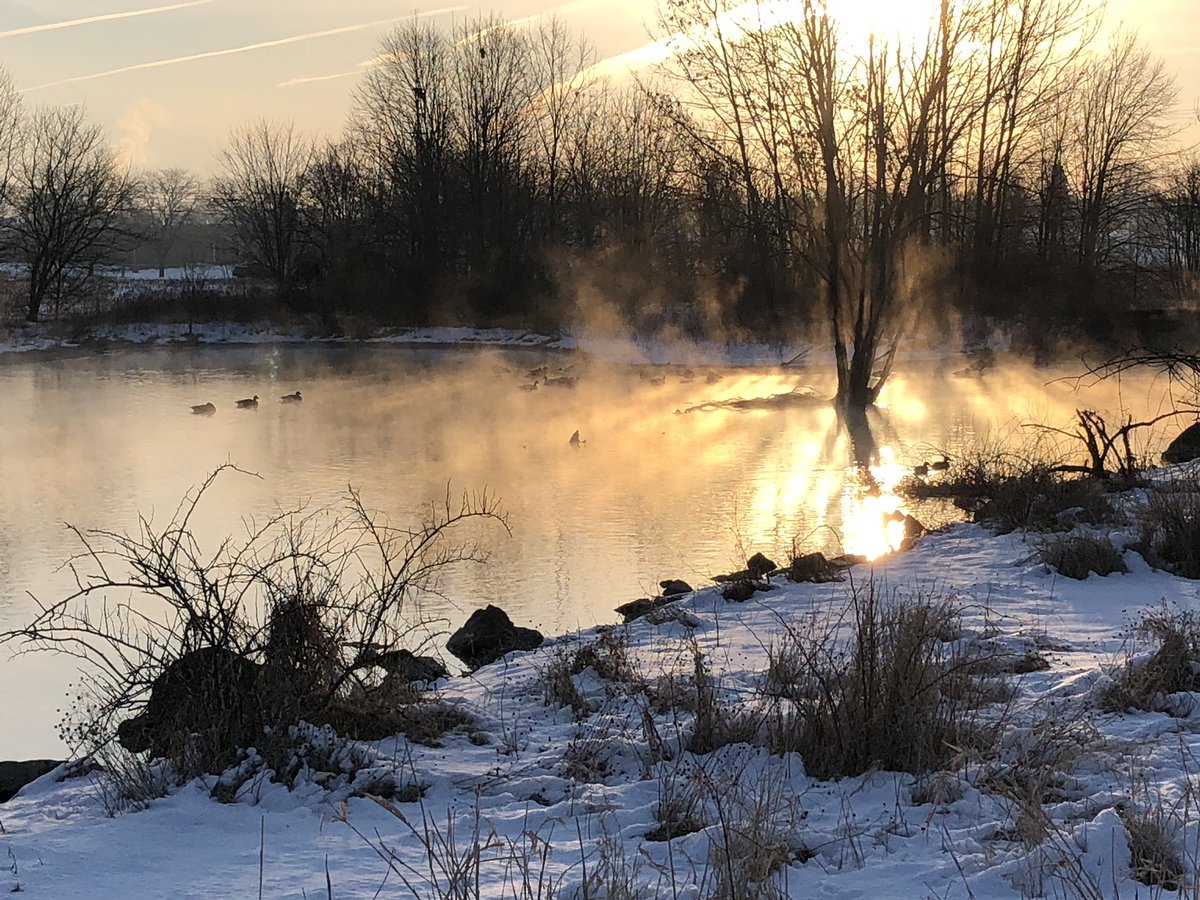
488, 635
1185, 447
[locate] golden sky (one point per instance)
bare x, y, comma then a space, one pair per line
170, 78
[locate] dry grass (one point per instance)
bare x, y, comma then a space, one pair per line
1155, 859
1078, 555
1174, 667
1169, 529
717, 723
894, 694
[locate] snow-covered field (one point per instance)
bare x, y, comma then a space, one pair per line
551, 801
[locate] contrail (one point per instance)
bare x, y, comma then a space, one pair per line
566, 7
108, 17
230, 51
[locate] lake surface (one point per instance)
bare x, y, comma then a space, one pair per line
95, 439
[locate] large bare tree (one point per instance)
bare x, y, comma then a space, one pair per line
167, 200
261, 192
68, 196
1119, 128
841, 157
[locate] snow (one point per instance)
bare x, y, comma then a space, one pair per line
586, 793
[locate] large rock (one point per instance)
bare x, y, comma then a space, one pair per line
405, 665
488, 635
209, 692
14, 775
1185, 447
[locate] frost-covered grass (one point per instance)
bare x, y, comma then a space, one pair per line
605, 789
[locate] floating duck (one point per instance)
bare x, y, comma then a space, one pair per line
531, 386
204, 409
922, 470
940, 465
291, 398
566, 381
575, 440
252, 403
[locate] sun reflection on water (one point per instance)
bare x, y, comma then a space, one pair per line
872, 513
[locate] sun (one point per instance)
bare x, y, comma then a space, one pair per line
888, 21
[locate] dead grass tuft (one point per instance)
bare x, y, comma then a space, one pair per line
1174, 667
1078, 555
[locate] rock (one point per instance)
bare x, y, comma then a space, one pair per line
1185, 447
759, 566
913, 529
405, 665
210, 691
814, 568
14, 775
635, 609
741, 591
488, 635
738, 591
673, 587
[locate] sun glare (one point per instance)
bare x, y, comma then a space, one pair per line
872, 517
887, 20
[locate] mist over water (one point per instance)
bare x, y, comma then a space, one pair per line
651, 492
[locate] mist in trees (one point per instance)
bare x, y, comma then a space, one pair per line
804, 181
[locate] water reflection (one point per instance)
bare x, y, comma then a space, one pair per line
96, 440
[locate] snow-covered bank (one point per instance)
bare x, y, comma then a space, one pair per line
556, 797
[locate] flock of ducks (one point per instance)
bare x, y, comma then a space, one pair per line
208, 409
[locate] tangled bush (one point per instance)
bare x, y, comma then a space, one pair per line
194, 656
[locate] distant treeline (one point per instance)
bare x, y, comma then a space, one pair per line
774, 175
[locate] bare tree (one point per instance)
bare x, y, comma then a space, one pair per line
1118, 128
10, 124
68, 196
260, 193
402, 122
559, 61
167, 200
842, 158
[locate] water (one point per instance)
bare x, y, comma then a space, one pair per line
95, 439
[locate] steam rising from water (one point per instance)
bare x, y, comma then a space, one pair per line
96, 440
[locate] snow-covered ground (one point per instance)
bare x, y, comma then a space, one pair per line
550, 799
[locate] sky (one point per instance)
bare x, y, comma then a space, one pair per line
170, 79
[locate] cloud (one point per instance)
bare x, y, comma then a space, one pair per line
136, 125
230, 51
106, 17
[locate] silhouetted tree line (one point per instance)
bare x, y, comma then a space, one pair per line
778, 177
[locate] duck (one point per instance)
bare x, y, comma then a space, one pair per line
252, 403
531, 386
291, 398
922, 470
940, 465
566, 381
204, 409
576, 440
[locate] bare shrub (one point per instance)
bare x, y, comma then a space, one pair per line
1032, 489
890, 693
1174, 667
1169, 529
208, 652
1078, 555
